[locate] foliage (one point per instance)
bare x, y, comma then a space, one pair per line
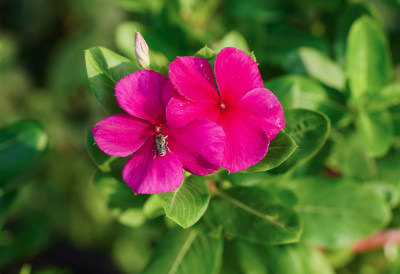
330, 178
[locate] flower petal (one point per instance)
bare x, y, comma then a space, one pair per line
236, 73
246, 143
147, 174
261, 107
198, 145
193, 78
168, 91
121, 134
139, 95
181, 111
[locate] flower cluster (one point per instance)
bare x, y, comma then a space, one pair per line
184, 122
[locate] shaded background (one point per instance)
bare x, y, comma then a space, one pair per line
59, 222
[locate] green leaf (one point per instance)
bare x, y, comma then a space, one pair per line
247, 179
279, 150
186, 251
282, 259
376, 132
368, 65
350, 13
388, 193
187, 204
309, 61
338, 212
121, 201
153, 207
309, 130
22, 146
206, 53
301, 92
389, 96
256, 215
112, 165
104, 69
232, 39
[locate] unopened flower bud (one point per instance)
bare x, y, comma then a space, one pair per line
142, 51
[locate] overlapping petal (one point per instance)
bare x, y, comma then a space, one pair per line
140, 95
193, 78
199, 145
147, 174
260, 107
121, 134
181, 111
236, 73
246, 143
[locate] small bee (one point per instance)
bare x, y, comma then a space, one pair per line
161, 145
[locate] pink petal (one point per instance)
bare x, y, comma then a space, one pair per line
181, 111
236, 73
147, 174
250, 124
261, 107
121, 134
198, 145
168, 91
193, 78
246, 143
139, 94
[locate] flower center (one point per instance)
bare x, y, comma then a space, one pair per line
223, 105
158, 129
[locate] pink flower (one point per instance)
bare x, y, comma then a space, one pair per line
250, 115
197, 146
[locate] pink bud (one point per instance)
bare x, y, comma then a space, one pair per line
142, 51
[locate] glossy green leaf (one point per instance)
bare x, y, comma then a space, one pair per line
389, 96
256, 215
104, 69
309, 130
375, 131
279, 150
22, 146
309, 61
112, 165
368, 65
187, 204
121, 201
338, 212
186, 251
206, 53
301, 92
247, 179
282, 259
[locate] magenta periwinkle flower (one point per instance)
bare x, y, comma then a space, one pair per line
250, 115
160, 148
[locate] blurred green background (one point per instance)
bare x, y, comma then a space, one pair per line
58, 222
